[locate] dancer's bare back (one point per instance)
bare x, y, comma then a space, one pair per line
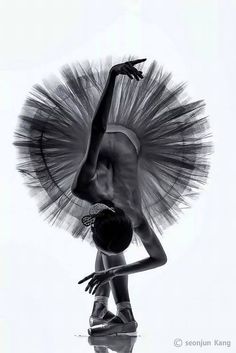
116, 176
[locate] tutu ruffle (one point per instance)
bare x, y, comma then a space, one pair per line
54, 129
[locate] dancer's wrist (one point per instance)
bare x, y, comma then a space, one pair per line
112, 272
117, 271
112, 74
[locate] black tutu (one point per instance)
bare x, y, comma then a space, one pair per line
54, 129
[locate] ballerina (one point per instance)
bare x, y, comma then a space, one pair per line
110, 169
112, 228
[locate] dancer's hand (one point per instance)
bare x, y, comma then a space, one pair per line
97, 280
127, 68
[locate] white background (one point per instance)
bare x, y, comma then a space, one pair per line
193, 296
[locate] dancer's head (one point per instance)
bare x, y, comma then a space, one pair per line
112, 231
111, 227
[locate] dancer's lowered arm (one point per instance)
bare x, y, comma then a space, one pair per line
157, 257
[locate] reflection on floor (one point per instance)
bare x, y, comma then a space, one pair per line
119, 344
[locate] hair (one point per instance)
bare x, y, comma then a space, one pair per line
112, 231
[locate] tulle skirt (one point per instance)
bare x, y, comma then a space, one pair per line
54, 129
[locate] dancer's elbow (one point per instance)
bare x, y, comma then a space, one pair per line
79, 185
76, 190
160, 260
163, 259
84, 192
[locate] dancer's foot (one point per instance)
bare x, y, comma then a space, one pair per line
96, 320
113, 343
116, 326
111, 328
100, 314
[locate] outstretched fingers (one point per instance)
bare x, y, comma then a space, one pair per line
128, 72
137, 61
96, 287
91, 284
137, 74
86, 278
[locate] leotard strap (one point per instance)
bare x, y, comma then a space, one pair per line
129, 133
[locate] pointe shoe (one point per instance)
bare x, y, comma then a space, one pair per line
114, 328
94, 320
114, 343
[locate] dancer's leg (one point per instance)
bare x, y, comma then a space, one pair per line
123, 322
119, 286
99, 266
100, 311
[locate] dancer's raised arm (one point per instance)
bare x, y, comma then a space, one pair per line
99, 124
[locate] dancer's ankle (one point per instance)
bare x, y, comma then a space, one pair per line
124, 312
100, 306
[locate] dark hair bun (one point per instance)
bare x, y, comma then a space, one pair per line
112, 231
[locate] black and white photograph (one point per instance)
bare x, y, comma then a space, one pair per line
117, 178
